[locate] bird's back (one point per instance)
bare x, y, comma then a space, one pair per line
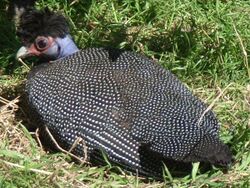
118, 101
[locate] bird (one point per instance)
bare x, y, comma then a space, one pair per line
120, 103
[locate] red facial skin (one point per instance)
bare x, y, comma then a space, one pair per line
34, 50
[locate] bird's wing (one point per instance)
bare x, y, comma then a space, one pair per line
162, 111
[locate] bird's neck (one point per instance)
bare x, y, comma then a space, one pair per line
67, 46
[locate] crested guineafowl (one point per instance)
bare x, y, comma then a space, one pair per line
120, 103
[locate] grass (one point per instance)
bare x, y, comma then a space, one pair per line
205, 43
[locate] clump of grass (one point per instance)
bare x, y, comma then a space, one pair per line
205, 43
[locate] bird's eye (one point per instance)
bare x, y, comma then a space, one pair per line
41, 43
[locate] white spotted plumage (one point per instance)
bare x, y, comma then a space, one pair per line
118, 104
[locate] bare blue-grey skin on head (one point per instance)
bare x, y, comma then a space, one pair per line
117, 101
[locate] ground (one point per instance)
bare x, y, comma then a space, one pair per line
206, 44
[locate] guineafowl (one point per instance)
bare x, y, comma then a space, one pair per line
120, 103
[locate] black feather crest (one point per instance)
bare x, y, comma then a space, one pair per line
44, 22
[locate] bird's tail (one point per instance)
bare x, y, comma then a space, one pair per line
212, 150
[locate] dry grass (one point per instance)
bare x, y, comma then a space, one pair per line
10, 131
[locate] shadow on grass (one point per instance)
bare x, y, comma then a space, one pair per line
179, 39
8, 42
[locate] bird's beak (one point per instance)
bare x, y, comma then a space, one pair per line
22, 52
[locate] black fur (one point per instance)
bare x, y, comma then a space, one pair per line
35, 23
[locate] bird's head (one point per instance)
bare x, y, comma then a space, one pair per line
44, 34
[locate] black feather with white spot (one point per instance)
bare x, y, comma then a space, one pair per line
118, 105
